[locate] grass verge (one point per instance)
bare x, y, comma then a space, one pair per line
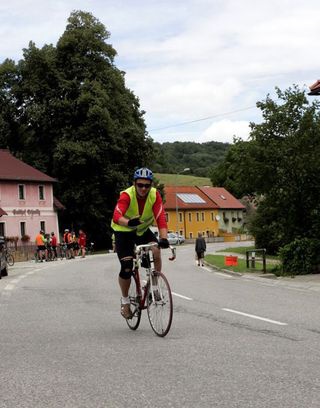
218, 261
242, 251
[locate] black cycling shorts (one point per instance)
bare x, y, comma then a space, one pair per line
125, 241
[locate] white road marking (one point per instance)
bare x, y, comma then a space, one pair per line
9, 287
181, 296
255, 317
222, 274
175, 294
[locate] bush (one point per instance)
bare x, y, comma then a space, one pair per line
25, 238
300, 257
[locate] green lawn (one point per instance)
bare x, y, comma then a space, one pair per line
219, 262
238, 250
182, 180
242, 251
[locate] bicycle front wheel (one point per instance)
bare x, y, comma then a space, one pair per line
134, 297
159, 304
10, 259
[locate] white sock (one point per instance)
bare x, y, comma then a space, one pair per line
125, 300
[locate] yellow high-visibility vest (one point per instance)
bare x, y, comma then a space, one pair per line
133, 211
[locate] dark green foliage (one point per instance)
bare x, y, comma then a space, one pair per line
281, 164
199, 157
301, 256
66, 111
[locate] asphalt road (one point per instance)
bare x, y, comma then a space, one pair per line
234, 342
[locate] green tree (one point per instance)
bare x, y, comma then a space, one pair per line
199, 157
9, 128
77, 121
280, 163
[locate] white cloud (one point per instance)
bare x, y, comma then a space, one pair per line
190, 59
224, 131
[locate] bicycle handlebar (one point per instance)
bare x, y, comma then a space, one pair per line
141, 247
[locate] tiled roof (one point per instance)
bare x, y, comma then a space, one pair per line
12, 168
222, 198
2, 212
315, 88
57, 204
171, 192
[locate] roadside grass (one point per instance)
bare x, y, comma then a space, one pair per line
182, 180
218, 261
242, 251
237, 250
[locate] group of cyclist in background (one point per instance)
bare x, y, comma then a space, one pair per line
71, 246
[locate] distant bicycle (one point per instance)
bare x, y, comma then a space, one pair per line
63, 251
37, 258
90, 249
9, 256
155, 295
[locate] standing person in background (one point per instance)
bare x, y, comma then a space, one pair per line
68, 240
200, 248
75, 245
41, 246
47, 243
82, 243
54, 245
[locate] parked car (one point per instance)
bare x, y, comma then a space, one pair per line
3, 261
181, 239
173, 239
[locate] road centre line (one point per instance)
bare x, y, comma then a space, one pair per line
255, 317
9, 287
175, 294
224, 275
181, 296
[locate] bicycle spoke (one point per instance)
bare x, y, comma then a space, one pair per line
159, 305
10, 259
134, 322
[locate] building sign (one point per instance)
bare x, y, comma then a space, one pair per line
26, 212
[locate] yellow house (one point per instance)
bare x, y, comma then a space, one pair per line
190, 211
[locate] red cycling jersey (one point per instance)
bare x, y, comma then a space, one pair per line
158, 210
82, 239
53, 241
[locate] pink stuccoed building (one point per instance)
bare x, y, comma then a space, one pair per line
27, 203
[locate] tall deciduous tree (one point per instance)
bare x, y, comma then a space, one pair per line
75, 119
280, 162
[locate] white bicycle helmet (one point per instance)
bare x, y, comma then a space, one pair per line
143, 173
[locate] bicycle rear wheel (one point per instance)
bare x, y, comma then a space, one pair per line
160, 305
134, 322
10, 259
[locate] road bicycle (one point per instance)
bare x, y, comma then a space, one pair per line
9, 256
63, 252
90, 248
155, 294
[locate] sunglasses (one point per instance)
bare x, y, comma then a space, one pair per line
142, 185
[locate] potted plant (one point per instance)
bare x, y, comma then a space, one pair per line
25, 238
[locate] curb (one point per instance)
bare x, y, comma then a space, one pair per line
240, 274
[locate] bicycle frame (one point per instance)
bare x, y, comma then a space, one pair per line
140, 252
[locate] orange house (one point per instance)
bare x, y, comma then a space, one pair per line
213, 211
190, 211
230, 210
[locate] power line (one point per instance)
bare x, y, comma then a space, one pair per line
200, 120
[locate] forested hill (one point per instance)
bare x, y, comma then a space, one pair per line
199, 157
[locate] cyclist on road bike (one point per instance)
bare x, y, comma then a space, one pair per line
138, 207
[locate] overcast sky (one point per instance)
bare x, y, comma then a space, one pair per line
202, 61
